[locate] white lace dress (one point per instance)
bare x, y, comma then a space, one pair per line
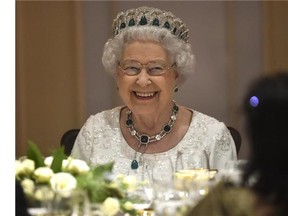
100, 141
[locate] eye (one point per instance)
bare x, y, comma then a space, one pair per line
131, 68
156, 69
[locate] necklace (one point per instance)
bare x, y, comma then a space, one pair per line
144, 139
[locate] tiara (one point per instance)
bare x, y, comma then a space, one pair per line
150, 17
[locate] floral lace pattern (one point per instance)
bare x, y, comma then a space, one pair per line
100, 141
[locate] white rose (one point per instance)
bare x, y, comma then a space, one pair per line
110, 206
18, 168
128, 205
28, 166
48, 161
65, 163
130, 183
43, 193
76, 166
28, 186
63, 183
43, 174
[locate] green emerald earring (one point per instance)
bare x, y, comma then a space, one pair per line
176, 89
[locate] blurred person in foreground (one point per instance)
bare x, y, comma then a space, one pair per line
150, 57
264, 189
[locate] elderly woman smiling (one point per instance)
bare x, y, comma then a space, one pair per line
150, 57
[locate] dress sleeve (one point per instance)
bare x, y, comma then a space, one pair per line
82, 148
224, 148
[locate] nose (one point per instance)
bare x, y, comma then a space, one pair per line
143, 78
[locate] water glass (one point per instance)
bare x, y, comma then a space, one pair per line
143, 192
162, 172
38, 200
171, 201
168, 199
193, 159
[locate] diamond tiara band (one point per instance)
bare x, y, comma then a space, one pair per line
150, 17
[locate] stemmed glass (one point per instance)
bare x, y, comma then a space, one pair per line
193, 159
38, 200
143, 194
192, 172
162, 172
191, 164
168, 199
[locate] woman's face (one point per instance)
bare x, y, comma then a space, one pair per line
144, 93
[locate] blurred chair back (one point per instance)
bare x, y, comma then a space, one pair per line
68, 139
236, 137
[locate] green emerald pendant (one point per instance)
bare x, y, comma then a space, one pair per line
134, 164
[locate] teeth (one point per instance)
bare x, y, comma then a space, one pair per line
145, 94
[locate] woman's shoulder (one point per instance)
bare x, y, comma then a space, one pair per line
103, 119
205, 121
205, 117
113, 112
106, 115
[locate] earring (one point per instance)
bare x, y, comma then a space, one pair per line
175, 89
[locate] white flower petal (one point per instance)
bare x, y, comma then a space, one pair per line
28, 166
28, 186
64, 183
43, 174
48, 161
110, 206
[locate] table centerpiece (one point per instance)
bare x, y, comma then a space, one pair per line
84, 189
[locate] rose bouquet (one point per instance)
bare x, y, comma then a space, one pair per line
59, 177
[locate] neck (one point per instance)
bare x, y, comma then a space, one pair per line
152, 123
165, 129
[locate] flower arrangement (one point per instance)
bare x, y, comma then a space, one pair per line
63, 175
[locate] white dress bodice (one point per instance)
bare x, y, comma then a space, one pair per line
100, 141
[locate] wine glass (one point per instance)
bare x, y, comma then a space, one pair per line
45, 201
192, 159
142, 195
191, 164
38, 200
168, 199
192, 172
162, 172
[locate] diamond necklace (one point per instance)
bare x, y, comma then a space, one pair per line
144, 139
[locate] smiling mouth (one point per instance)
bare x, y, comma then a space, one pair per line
145, 95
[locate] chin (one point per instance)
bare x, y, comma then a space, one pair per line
143, 109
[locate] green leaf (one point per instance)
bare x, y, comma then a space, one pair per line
101, 169
98, 192
35, 154
58, 157
97, 184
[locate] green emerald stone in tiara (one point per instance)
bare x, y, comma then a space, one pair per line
143, 21
149, 16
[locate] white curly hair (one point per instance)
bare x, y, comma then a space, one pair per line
180, 52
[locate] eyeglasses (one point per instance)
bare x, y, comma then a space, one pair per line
153, 68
